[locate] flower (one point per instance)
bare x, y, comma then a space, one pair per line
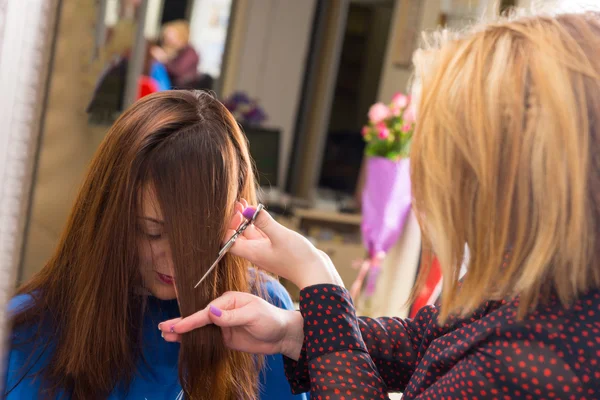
378, 112
400, 101
389, 132
245, 109
383, 131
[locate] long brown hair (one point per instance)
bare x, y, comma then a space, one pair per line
505, 159
189, 147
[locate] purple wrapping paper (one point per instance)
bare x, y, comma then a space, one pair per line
385, 208
386, 203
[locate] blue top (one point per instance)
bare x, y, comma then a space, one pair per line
158, 72
157, 378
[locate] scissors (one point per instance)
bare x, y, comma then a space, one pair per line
230, 242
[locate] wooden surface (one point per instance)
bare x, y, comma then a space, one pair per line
327, 216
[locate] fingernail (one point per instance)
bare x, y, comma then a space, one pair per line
162, 335
159, 326
172, 329
215, 311
249, 212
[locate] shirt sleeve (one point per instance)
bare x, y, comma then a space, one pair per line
397, 345
273, 379
345, 355
184, 64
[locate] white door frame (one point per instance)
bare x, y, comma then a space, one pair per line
27, 32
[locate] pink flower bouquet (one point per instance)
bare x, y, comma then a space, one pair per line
386, 198
389, 131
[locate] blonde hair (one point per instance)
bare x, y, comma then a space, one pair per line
181, 26
504, 159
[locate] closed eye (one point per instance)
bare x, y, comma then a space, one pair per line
154, 236
151, 228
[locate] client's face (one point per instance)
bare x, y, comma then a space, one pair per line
156, 263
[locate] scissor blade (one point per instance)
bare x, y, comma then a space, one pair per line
240, 230
210, 269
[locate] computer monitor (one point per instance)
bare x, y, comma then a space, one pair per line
264, 149
342, 159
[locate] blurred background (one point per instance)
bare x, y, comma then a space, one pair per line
299, 75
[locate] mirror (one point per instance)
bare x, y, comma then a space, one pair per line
105, 59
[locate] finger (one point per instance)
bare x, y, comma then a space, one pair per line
245, 315
171, 337
271, 228
252, 233
228, 301
167, 326
244, 203
239, 207
259, 232
195, 321
253, 251
236, 220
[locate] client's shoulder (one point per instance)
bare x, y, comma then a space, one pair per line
270, 289
33, 327
20, 303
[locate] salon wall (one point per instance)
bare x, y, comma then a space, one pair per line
538, 3
461, 12
393, 78
270, 44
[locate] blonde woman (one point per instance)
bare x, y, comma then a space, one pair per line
177, 54
505, 160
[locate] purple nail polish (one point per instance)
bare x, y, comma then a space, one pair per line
172, 329
215, 311
249, 212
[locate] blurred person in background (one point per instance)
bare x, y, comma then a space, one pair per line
178, 55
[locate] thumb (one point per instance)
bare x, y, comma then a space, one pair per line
265, 222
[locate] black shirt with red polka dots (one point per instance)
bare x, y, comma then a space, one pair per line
553, 353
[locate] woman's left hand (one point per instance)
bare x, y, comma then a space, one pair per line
249, 324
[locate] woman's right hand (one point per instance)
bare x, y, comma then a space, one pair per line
281, 251
249, 324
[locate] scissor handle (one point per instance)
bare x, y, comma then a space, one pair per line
240, 230
259, 208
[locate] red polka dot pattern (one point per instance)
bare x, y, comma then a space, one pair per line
552, 354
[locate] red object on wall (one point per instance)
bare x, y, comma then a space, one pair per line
429, 293
146, 86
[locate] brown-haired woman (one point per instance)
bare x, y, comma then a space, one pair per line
505, 159
147, 223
